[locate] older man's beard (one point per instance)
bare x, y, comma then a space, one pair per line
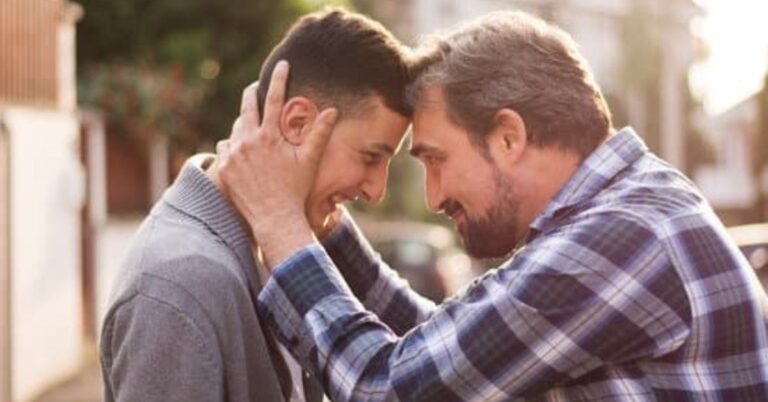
494, 235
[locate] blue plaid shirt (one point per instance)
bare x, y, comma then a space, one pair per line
627, 289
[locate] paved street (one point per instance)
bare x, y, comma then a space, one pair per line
86, 387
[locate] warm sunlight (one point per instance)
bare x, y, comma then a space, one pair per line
736, 33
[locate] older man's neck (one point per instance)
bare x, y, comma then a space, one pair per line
544, 172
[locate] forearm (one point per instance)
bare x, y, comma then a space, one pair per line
308, 305
376, 285
506, 337
280, 237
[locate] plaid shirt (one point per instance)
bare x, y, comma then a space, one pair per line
627, 289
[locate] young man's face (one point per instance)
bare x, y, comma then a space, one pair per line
356, 160
462, 182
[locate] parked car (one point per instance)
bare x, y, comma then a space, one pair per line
753, 242
426, 255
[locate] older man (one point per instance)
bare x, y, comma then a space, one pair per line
624, 285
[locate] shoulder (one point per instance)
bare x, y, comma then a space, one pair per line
653, 191
179, 252
182, 266
600, 229
596, 246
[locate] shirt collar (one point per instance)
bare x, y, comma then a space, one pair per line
617, 152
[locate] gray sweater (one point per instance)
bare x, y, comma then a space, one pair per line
182, 324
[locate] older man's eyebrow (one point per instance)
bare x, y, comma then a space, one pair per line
418, 149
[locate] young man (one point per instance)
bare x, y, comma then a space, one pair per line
624, 287
182, 325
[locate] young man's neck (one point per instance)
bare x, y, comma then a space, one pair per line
212, 171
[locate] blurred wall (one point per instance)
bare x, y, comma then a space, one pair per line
46, 199
28, 69
5, 269
730, 184
41, 190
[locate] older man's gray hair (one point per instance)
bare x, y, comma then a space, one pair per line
514, 60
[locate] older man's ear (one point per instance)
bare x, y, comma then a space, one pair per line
296, 119
508, 138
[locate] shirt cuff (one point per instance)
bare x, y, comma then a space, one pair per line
353, 255
298, 284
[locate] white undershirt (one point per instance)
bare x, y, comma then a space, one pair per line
297, 372
297, 375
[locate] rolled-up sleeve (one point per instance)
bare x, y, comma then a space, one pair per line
379, 287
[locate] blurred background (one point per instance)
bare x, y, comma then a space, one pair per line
102, 101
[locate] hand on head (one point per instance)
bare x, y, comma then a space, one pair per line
267, 178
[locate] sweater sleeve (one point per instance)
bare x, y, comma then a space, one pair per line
155, 352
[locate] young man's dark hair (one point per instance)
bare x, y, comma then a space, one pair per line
339, 58
181, 324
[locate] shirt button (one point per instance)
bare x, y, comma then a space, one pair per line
294, 341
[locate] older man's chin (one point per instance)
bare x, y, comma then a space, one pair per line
486, 241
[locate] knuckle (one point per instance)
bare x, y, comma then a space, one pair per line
237, 124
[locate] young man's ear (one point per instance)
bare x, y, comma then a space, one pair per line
297, 116
508, 137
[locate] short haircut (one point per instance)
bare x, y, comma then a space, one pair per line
339, 59
517, 61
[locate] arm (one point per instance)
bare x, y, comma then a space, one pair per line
151, 351
598, 293
594, 295
373, 282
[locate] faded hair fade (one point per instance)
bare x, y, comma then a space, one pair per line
513, 60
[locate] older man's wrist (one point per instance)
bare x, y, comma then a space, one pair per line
280, 237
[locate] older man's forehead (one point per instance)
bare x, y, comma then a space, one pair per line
430, 96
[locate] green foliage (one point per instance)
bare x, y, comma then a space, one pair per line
177, 68
209, 50
144, 101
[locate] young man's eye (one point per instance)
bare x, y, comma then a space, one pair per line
371, 158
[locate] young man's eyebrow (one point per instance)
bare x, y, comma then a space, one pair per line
383, 148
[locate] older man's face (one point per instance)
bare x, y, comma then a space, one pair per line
461, 182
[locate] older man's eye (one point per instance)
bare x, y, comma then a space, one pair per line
431, 160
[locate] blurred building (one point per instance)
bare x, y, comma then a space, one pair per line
733, 185
42, 191
640, 51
